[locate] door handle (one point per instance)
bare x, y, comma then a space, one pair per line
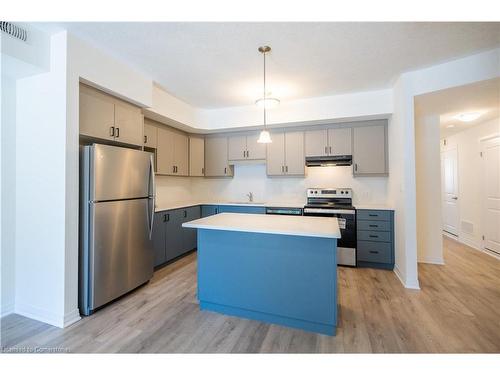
117, 132
454, 198
286, 168
282, 169
185, 213
112, 131
244, 153
373, 226
173, 168
372, 236
326, 149
373, 252
225, 170
356, 167
202, 170
330, 149
165, 218
145, 139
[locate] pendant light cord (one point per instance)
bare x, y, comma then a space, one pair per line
265, 125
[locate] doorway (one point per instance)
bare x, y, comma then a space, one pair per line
449, 191
490, 154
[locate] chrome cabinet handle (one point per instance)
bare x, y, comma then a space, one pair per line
330, 149
372, 236
454, 198
202, 170
117, 132
326, 150
373, 252
145, 139
225, 170
282, 169
185, 213
286, 168
112, 131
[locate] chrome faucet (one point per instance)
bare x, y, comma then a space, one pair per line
250, 196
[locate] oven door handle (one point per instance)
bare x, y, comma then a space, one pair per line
328, 211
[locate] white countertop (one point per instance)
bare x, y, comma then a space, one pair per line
307, 226
175, 205
382, 207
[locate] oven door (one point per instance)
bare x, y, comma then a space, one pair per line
346, 244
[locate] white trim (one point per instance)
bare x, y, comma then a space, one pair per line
41, 315
71, 318
409, 285
432, 261
7, 309
449, 235
490, 253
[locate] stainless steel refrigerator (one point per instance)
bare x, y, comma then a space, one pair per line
116, 219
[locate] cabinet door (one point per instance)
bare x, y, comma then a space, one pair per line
369, 156
158, 238
129, 123
209, 210
216, 163
255, 150
97, 114
165, 152
150, 134
191, 213
339, 141
236, 147
316, 142
174, 239
181, 154
196, 156
276, 155
294, 153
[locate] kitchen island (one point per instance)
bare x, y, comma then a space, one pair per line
276, 269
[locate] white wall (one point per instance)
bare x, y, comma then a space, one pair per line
41, 192
402, 184
470, 167
428, 171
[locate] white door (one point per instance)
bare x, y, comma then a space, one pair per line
449, 186
491, 194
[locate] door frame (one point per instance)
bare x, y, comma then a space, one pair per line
444, 149
482, 193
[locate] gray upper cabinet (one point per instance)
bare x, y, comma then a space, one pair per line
245, 147
172, 153
196, 156
105, 117
339, 141
325, 142
369, 150
285, 155
150, 134
216, 158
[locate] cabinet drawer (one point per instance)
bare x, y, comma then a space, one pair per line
373, 225
373, 215
366, 235
376, 252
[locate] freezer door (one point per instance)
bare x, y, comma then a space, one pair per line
120, 251
119, 173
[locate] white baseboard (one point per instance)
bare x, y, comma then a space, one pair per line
432, 261
413, 284
39, 314
7, 309
71, 318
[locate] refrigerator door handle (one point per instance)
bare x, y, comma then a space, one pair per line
152, 196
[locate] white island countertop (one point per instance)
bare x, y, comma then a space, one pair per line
306, 226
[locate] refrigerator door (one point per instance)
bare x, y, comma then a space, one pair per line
120, 251
119, 173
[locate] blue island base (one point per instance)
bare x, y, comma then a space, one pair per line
324, 329
280, 279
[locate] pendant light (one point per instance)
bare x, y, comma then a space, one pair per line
265, 102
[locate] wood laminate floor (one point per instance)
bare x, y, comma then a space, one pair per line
456, 310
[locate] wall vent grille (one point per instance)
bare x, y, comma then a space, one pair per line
13, 30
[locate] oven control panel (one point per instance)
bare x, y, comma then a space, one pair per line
329, 193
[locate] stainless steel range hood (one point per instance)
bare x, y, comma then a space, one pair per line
327, 161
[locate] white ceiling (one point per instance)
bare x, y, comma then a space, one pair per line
483, 97
212, 65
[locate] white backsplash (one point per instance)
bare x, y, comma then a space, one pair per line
252, 178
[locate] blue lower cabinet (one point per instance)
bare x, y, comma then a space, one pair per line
375, 233
243, 209
170, 239
209, 210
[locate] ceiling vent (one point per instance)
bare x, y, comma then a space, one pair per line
13, 30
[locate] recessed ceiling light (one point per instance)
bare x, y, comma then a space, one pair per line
468, 117
450, 126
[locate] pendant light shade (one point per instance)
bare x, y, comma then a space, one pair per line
264, 102
264, 137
